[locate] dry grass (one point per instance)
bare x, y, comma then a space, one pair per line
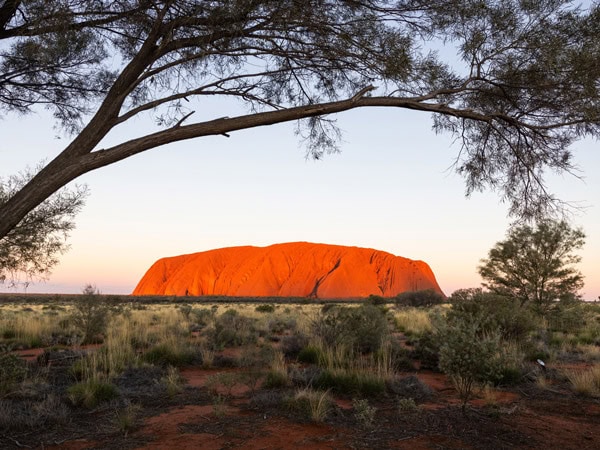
413, 321
585, 381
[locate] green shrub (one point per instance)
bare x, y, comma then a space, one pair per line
363, 412
364, 384
90, 315
376, 300
168, 355
276, 379
407, 405
494, 313
202, 316
469, 357
363, 328
310, 355
91, 393
266, 308
12, 371
314, 404
427, 297
233, 329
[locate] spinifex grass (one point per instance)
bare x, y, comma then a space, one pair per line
413, 321
585, 381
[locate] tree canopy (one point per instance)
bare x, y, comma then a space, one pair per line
522, 88
535, 265
31, 248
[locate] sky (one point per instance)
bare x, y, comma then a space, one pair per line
391, 188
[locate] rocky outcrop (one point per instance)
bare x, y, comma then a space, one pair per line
298, 269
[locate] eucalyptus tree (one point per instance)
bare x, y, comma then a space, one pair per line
535, 265
522, 88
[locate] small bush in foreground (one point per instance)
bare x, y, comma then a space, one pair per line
585, 382
364, 384
314, 404
12, 372
363, 412
468, 357
92, 392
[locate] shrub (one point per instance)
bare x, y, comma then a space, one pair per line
12, 371
494, 313
233, 329
407, 405
173, 381
469, 357
294, 344
363, 412
126, 418
90, 315
376, 300
92, 392
365, 384
427, 297
203, 316
310, 355
265, 308
363, 328
585, 382
314, 404
165, 354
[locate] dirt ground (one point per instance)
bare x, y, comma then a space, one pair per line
525, 417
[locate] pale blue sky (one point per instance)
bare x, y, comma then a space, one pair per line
391, 188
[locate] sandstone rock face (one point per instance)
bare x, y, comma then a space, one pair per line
298, 269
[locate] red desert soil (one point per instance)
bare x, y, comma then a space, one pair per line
526, 417
298, 269
515, 421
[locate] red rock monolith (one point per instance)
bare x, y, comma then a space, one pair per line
297, 269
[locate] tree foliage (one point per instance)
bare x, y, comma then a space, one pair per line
524, 88
535, 264
30, 249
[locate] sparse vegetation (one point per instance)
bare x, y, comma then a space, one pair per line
476, 341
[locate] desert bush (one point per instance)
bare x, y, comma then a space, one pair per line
310, 355
202, 316
469, 356
232, 329
292, 345
363, 328
126, 418
173, 381
410, 387
363, 412
33, 415
12, 371
277, 376
168, 354
494, 313
265, 308
406, 405
314, 404
427, 350
423, 298
412, 321
585, 381
355, 382
376, 300
90, 315
92, 392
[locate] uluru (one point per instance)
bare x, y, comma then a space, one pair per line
297, 269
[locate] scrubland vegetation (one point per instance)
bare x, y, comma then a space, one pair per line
117, 360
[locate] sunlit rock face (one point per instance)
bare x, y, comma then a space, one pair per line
298, 269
